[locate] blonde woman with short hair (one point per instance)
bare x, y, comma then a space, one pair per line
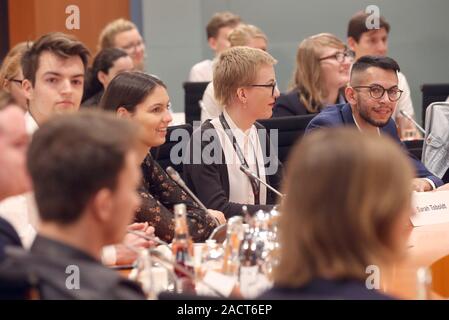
243, 35
245, 84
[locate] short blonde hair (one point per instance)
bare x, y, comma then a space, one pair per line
237, 67
243, 34
308, 77
346, 192
107, 35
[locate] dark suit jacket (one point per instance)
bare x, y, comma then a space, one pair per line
341, 115
8, 237
288, 104
94, 100
326, 290
55, 266
210, 182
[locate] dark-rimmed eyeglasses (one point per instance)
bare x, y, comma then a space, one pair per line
377, 92
271, 85
16, 81
340, 56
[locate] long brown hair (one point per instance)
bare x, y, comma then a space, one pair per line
308, 78
345, 195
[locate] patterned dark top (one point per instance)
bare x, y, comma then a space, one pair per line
159, 194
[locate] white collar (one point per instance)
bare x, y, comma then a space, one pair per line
30, 124
355, 121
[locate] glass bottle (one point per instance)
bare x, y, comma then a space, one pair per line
182, 248
234, 236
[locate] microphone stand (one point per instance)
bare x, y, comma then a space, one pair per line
177, 178
251, 175
405, 114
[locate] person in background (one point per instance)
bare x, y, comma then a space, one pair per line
14, 179
243, 35
11, 75
107, 64
374, 42
123, 34
245, 84
347, 207
144, 99
217, 30
322, 72
85, 188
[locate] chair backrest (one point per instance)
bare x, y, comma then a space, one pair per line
436, 141
414, 147
178, 136
433, 93
290, 129
193, 93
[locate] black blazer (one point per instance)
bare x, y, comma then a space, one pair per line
288, 104
8, 237
210, 182
326, 290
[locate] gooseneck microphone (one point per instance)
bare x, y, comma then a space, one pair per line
405, 114
251, 175
177, 178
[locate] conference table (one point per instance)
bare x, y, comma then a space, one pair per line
428, 247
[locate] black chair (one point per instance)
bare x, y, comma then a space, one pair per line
290, 129
176, 135
193, 93
433, 93
414, 147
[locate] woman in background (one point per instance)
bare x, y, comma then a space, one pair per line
322, 70
11, 75
347, 207
144, 98
107, 64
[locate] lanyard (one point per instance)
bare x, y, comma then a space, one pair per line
255, 185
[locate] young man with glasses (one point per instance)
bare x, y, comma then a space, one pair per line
372, 97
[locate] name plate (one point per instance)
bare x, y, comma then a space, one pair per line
430, 208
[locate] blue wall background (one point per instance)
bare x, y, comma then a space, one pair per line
174, 32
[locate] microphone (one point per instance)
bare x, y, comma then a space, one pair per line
177, 178
251, 175
405, 114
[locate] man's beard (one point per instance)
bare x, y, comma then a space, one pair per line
364, 115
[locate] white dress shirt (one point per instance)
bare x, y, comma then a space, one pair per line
202, 71
240, 190
405, 102
210, 108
